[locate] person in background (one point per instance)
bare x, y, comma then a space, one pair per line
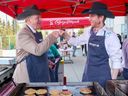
31, 49
119, 36
120, 39
102, 44
52, 65
84, 48
62, 38
57, 45
74, 47
125, 58
57, 60
125, 37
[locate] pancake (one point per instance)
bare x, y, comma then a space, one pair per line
41, 91
54, 92
85, 90
66, 93
30, 91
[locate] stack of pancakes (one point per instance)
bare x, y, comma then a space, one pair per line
32, 92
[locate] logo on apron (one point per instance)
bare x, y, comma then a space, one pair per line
40, 40
94, 45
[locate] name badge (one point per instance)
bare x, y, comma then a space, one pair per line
94, 45
40, 40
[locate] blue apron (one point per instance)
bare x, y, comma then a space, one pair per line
97, 67
37, 66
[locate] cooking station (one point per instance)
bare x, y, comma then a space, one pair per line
6, 72
6, 68
9, 88
6, 82
117, 87
74, 87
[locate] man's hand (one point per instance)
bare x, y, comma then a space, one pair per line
115, 73
51, 65
61, 32
55, 34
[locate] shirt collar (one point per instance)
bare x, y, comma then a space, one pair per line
101, 31
33, 30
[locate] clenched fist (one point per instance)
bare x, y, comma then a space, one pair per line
61, 32
55, 34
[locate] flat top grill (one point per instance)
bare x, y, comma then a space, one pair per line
6, 72
2, 68
117, 87
97, 90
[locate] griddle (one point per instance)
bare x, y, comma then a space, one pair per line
21, 88
123, 88
75, 89
117, 87
6, 72
7, 67
97, 90
2, 68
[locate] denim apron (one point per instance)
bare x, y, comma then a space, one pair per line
97, 68
37, 66
125, 73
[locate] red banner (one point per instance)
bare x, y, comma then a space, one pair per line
57, 23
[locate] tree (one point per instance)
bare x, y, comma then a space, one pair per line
80, 31
7, 34
3, 28
0, 27
8, 28
15, 26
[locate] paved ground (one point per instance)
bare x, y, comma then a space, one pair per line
74, 71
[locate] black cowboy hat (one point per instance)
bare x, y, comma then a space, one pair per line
29, 11
99, 8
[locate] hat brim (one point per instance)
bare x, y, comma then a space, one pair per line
106, 13
26, 14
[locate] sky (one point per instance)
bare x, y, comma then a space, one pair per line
5, 17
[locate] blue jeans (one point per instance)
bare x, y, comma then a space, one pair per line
74, 50
125, 73
52, 75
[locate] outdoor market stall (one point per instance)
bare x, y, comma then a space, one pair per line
61, 8
57, 9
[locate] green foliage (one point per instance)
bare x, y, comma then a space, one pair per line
5, 43
80, 31
7, 34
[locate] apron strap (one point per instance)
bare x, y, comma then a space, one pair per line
21, 60
104, 33
24, 56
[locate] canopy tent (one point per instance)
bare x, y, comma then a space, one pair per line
57, 23
61, 8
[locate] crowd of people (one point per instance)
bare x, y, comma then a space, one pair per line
39, 59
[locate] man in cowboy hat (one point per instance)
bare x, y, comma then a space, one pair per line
102, 44
32, 49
